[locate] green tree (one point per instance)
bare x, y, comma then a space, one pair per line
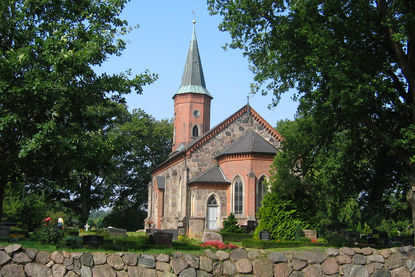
279, 218
126, 216
231, 225
336, 185
145, 142
48, 86
352, 63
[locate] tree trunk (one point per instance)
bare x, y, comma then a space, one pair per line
410, 197
85, 199
2, 190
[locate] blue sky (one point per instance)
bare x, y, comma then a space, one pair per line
160, 44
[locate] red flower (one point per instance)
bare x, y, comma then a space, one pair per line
47, 219
218, 245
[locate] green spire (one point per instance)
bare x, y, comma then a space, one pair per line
193, 80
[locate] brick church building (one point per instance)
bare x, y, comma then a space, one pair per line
211, 172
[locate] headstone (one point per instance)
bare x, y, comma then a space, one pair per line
163, 238
4, 232
211, 236
93, 240
175, 232
86, 227
116, 232
352, 236
310, 234
251, 225
264, 235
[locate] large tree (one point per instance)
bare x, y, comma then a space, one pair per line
344, 184
48, 86
352, 63
146, 142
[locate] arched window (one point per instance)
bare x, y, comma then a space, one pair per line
259, 193
237, 196
195, 131
212, 201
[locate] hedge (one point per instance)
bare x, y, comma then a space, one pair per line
262, 244
235, 236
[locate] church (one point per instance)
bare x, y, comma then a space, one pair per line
211, 172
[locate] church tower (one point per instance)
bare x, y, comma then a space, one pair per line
192, 100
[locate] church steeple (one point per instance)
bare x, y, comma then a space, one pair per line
192, 100
193, 80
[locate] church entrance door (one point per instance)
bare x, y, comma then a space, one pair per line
212, 214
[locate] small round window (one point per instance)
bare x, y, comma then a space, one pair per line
196, 113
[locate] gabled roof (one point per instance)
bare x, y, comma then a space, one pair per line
250, 142
199, 141
212, 175
193, 80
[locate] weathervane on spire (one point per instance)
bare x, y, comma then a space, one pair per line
194, 17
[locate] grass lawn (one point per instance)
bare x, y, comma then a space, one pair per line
190, 246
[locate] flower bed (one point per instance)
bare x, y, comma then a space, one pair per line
218, 245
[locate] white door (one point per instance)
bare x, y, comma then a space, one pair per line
212, 217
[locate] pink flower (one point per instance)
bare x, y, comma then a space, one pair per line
218, 245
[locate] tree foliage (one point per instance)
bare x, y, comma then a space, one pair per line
279, 218
230, 225
338, 185
50, 96
144, 143
352, 64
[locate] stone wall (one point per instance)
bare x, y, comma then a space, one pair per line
16, 261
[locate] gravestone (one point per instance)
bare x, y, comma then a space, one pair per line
310, 234
163, 238
4, 232
211, 236
93, 240
251, 226
353, 236
116, 232
174, 232
264, 235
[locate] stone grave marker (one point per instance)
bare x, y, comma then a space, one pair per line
117, 232
4, 231
163, 238
264, 235
93, 240
175, 232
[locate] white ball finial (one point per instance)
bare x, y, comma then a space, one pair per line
194, 21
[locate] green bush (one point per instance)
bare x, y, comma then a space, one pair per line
47, 234
232, 237
263, 244
279, 219
125, 243
230, 225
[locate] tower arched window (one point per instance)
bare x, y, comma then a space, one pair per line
195, 131
238, 196
260, 191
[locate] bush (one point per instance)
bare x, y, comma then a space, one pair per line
47, 234
125, 243
277, 218
263, 244
230, 225
218, 245
235, 236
